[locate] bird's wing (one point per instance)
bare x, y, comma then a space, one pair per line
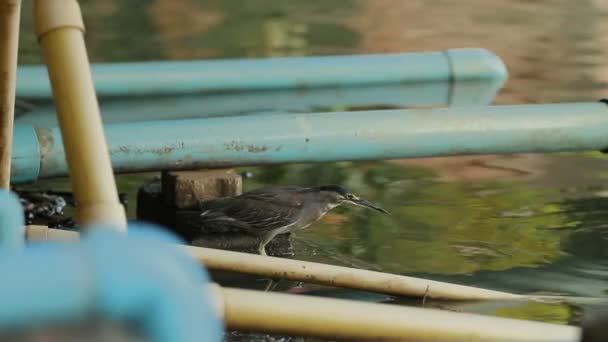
254, 212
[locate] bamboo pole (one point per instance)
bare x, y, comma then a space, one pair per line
322, 317
311, 272
338, 276
43, 233
280, 313
9, 42
337, 318
60, 31
441, 290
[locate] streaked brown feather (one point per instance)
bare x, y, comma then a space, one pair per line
257, 211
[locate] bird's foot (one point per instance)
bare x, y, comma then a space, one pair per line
271, 285
262, 250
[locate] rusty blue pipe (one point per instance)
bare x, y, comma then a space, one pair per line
322, 137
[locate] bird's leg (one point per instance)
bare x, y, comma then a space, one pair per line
271, 285
262, 251
263, 242
262, 248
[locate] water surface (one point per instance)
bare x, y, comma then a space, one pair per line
522, 223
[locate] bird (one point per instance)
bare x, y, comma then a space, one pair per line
267, 212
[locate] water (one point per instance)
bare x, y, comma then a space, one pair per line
522, 223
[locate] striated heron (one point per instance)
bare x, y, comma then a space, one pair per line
265, 213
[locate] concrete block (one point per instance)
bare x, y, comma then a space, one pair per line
185, 189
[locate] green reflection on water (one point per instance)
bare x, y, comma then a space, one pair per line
550, 313
271, 28
133, 30
434, 227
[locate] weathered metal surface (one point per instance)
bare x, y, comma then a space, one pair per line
320, 137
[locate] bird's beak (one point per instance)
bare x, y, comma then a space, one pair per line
365, 203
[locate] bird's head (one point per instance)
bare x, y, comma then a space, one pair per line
336, 195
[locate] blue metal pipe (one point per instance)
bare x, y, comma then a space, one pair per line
320, 137
11, 221
139, 280
477, 70
26, 154
67, 294
286, 100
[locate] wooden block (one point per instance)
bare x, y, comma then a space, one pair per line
151, 208
185, 189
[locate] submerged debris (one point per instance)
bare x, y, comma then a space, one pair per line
47, 207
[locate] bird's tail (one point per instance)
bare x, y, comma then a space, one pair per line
207, 222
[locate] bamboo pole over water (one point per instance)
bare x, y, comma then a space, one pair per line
396, 284
280, 313
312, 316
60, 30
312, 272
9, 42
339, 276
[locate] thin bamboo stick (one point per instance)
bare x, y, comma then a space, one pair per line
311, 272
312, 316
447, 291
60, 30
338, 276
9, 42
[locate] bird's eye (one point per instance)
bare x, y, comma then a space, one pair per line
350, 196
